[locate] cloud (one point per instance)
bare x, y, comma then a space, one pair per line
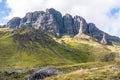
1, 24
96, 11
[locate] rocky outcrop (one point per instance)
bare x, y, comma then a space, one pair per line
14, 22
73, 25
77, 24
68, 25
43, 72
52, 21
97, 34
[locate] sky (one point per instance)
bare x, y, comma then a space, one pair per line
104, 13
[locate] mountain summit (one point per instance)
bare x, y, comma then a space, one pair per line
53, 22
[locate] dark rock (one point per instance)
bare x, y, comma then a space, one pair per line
51, 21
77, 21
68, 24
94, 32
54, 22
43, 72
97, 34
14, 22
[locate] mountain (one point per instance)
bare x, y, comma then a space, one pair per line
45, 43
53, 22
27, 49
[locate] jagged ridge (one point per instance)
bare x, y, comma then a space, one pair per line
58, 25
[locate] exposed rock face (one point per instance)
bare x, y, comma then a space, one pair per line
97, 34
94, 32
52, 21
73, 25
103, 41
14, 22
68, 25
77, 24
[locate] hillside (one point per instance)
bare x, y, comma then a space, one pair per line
27, 48
48, 44
89, 71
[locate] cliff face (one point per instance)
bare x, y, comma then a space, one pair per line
53, 22
14, 22
97, 34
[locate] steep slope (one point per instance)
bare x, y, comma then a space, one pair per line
52, 21
27, 47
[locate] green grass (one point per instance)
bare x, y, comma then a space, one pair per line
26, 50
20, 51
35, 53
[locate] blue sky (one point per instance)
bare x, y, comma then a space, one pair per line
4, 11
113, 12
104, 13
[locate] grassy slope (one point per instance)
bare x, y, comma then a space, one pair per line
92, 70
35, 53
70, 52
41, 54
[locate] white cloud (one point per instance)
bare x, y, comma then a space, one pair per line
92, 10
1, 24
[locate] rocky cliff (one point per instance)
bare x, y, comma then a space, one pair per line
53, 22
